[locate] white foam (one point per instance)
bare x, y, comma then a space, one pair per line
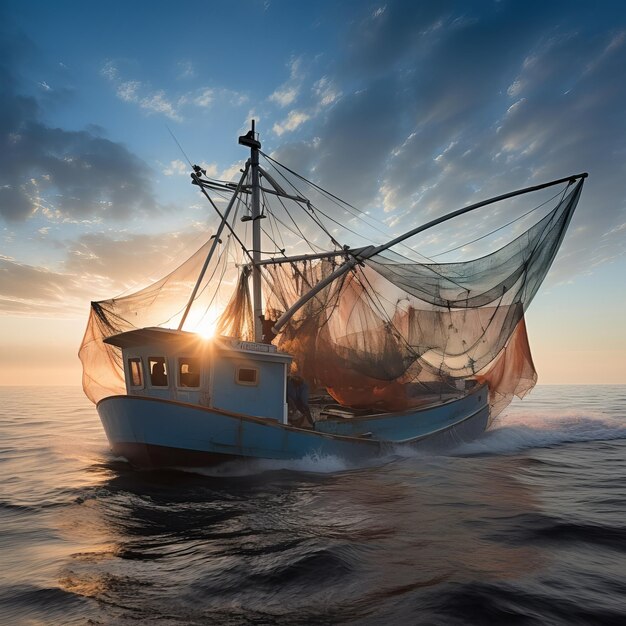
313, 463
512, 433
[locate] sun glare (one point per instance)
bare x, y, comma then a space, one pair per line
206, 331
204, 326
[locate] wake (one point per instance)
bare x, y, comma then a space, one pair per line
522, 431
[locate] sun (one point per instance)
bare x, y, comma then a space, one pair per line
206, 331
205, 325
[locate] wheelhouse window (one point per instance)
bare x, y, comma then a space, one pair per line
158, 371
247, 376
188, 372
136, 372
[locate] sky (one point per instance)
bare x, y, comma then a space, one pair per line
405, 109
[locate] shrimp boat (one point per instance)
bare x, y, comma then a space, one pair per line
347, 350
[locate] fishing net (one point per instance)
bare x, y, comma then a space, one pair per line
160, 304
389, 334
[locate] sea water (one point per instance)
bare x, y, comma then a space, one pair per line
526, 525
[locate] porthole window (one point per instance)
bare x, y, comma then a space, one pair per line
158, 371
188, 372
136, 372
247, 376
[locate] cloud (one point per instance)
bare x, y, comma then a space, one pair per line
106, 258
26, 289
186, 69
325, 92
128, 91
95, 266
137, 92
158, 101
176, 167
288, 92
322, 94
451, 104
205, 98
293, 120
284, 96
68, 174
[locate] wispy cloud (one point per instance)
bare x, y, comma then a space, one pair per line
322, 94
285, 95
326, 92
137, 92
288, 92
293, 120
186, 69
176, 168
158, 101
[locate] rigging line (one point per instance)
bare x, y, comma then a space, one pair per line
316, 220
503, 226
207, 283
232, 230
274, 224
278, 249
328, 217
346, 207
311, 211
343, 205
178, 144
275, 231
299, 232
266, 211
314, 247
219, 284
269, 158
312, 208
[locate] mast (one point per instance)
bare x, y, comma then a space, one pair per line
250, 140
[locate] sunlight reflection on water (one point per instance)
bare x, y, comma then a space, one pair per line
526, 521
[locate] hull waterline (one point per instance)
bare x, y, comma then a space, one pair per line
152, 433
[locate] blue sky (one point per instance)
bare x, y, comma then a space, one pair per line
405, 109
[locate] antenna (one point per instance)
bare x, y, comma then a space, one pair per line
178, 144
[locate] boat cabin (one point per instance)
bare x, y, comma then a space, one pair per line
220, 372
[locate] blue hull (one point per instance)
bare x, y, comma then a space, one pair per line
152, 432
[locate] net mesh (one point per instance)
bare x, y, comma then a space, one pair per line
387, 335
390, 334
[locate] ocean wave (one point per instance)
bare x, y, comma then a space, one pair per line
514, 433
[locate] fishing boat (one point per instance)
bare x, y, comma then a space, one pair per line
351, 351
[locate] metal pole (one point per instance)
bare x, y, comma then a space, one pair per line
256, 241
212, 250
